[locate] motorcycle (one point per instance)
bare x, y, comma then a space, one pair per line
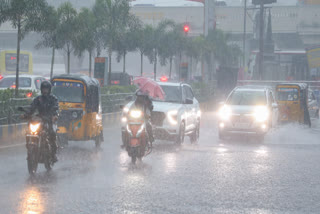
137, 144
37, 143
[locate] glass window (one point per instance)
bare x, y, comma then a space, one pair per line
188, 92
10, 82
241, 97
172, 93
288, 94
11, 62
68, 91
37, 82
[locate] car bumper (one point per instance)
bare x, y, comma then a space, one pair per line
251, 129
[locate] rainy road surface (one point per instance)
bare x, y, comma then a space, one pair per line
281, 175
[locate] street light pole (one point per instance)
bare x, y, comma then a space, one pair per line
261, 40
244, 33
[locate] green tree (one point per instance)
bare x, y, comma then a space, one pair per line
173, 43
68, 29
50, 35
158, 35
25, 16
112, 16
86, 38
128, 39
144, 42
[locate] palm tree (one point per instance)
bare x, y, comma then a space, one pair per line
26, 16
112, 16
158, 35
86, 37
145, 41
50, 35
68, 29
128, 39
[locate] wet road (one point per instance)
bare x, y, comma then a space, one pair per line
281, 175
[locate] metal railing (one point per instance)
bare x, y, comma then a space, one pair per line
8, 110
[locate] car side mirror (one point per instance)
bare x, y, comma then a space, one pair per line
189, 101
274, 105
121, 107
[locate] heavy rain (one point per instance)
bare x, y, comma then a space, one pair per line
158, 106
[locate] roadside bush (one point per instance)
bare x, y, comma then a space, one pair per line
116, 89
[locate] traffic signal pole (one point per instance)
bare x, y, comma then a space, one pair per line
261, 40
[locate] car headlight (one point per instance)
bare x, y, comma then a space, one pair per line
172, 117
98, 117
125, 109
34, 127
135, 114
225, 113
261, 113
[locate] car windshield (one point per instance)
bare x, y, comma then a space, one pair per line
287, 94
243, 98
10, 82
68, 92
172, 93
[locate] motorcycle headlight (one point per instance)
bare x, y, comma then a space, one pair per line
34, 127
136, 114
225, 113
74, 114
261, 113
172, 117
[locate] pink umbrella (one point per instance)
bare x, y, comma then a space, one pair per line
150, 87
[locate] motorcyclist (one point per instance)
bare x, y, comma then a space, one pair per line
48, 107
144, 103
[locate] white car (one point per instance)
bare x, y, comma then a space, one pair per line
249, 110
26, 82
177, 116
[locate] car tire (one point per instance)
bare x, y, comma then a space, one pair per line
194, 137
180, 137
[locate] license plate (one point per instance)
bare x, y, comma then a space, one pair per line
134, 142
242, 125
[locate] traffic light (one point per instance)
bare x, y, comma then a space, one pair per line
186, 28
258, 2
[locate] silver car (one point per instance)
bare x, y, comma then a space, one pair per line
249, 110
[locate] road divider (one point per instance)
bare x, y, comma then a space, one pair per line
15, 133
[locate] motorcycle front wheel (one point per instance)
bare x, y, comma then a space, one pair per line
48, 161
32, 160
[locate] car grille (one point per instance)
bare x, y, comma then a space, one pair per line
157, 118
241, 119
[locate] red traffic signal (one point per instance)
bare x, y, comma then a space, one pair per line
186, 28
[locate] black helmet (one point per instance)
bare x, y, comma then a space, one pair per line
45, 84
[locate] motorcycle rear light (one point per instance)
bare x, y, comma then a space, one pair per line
29, 94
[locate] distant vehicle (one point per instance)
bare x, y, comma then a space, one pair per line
293, 103
120, 78
8, 62
248, 110
313, 105
26, 82
177, 116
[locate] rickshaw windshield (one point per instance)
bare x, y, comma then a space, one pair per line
287, 94
68, 91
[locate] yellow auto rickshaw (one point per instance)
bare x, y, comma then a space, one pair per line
79, 100
292, 100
